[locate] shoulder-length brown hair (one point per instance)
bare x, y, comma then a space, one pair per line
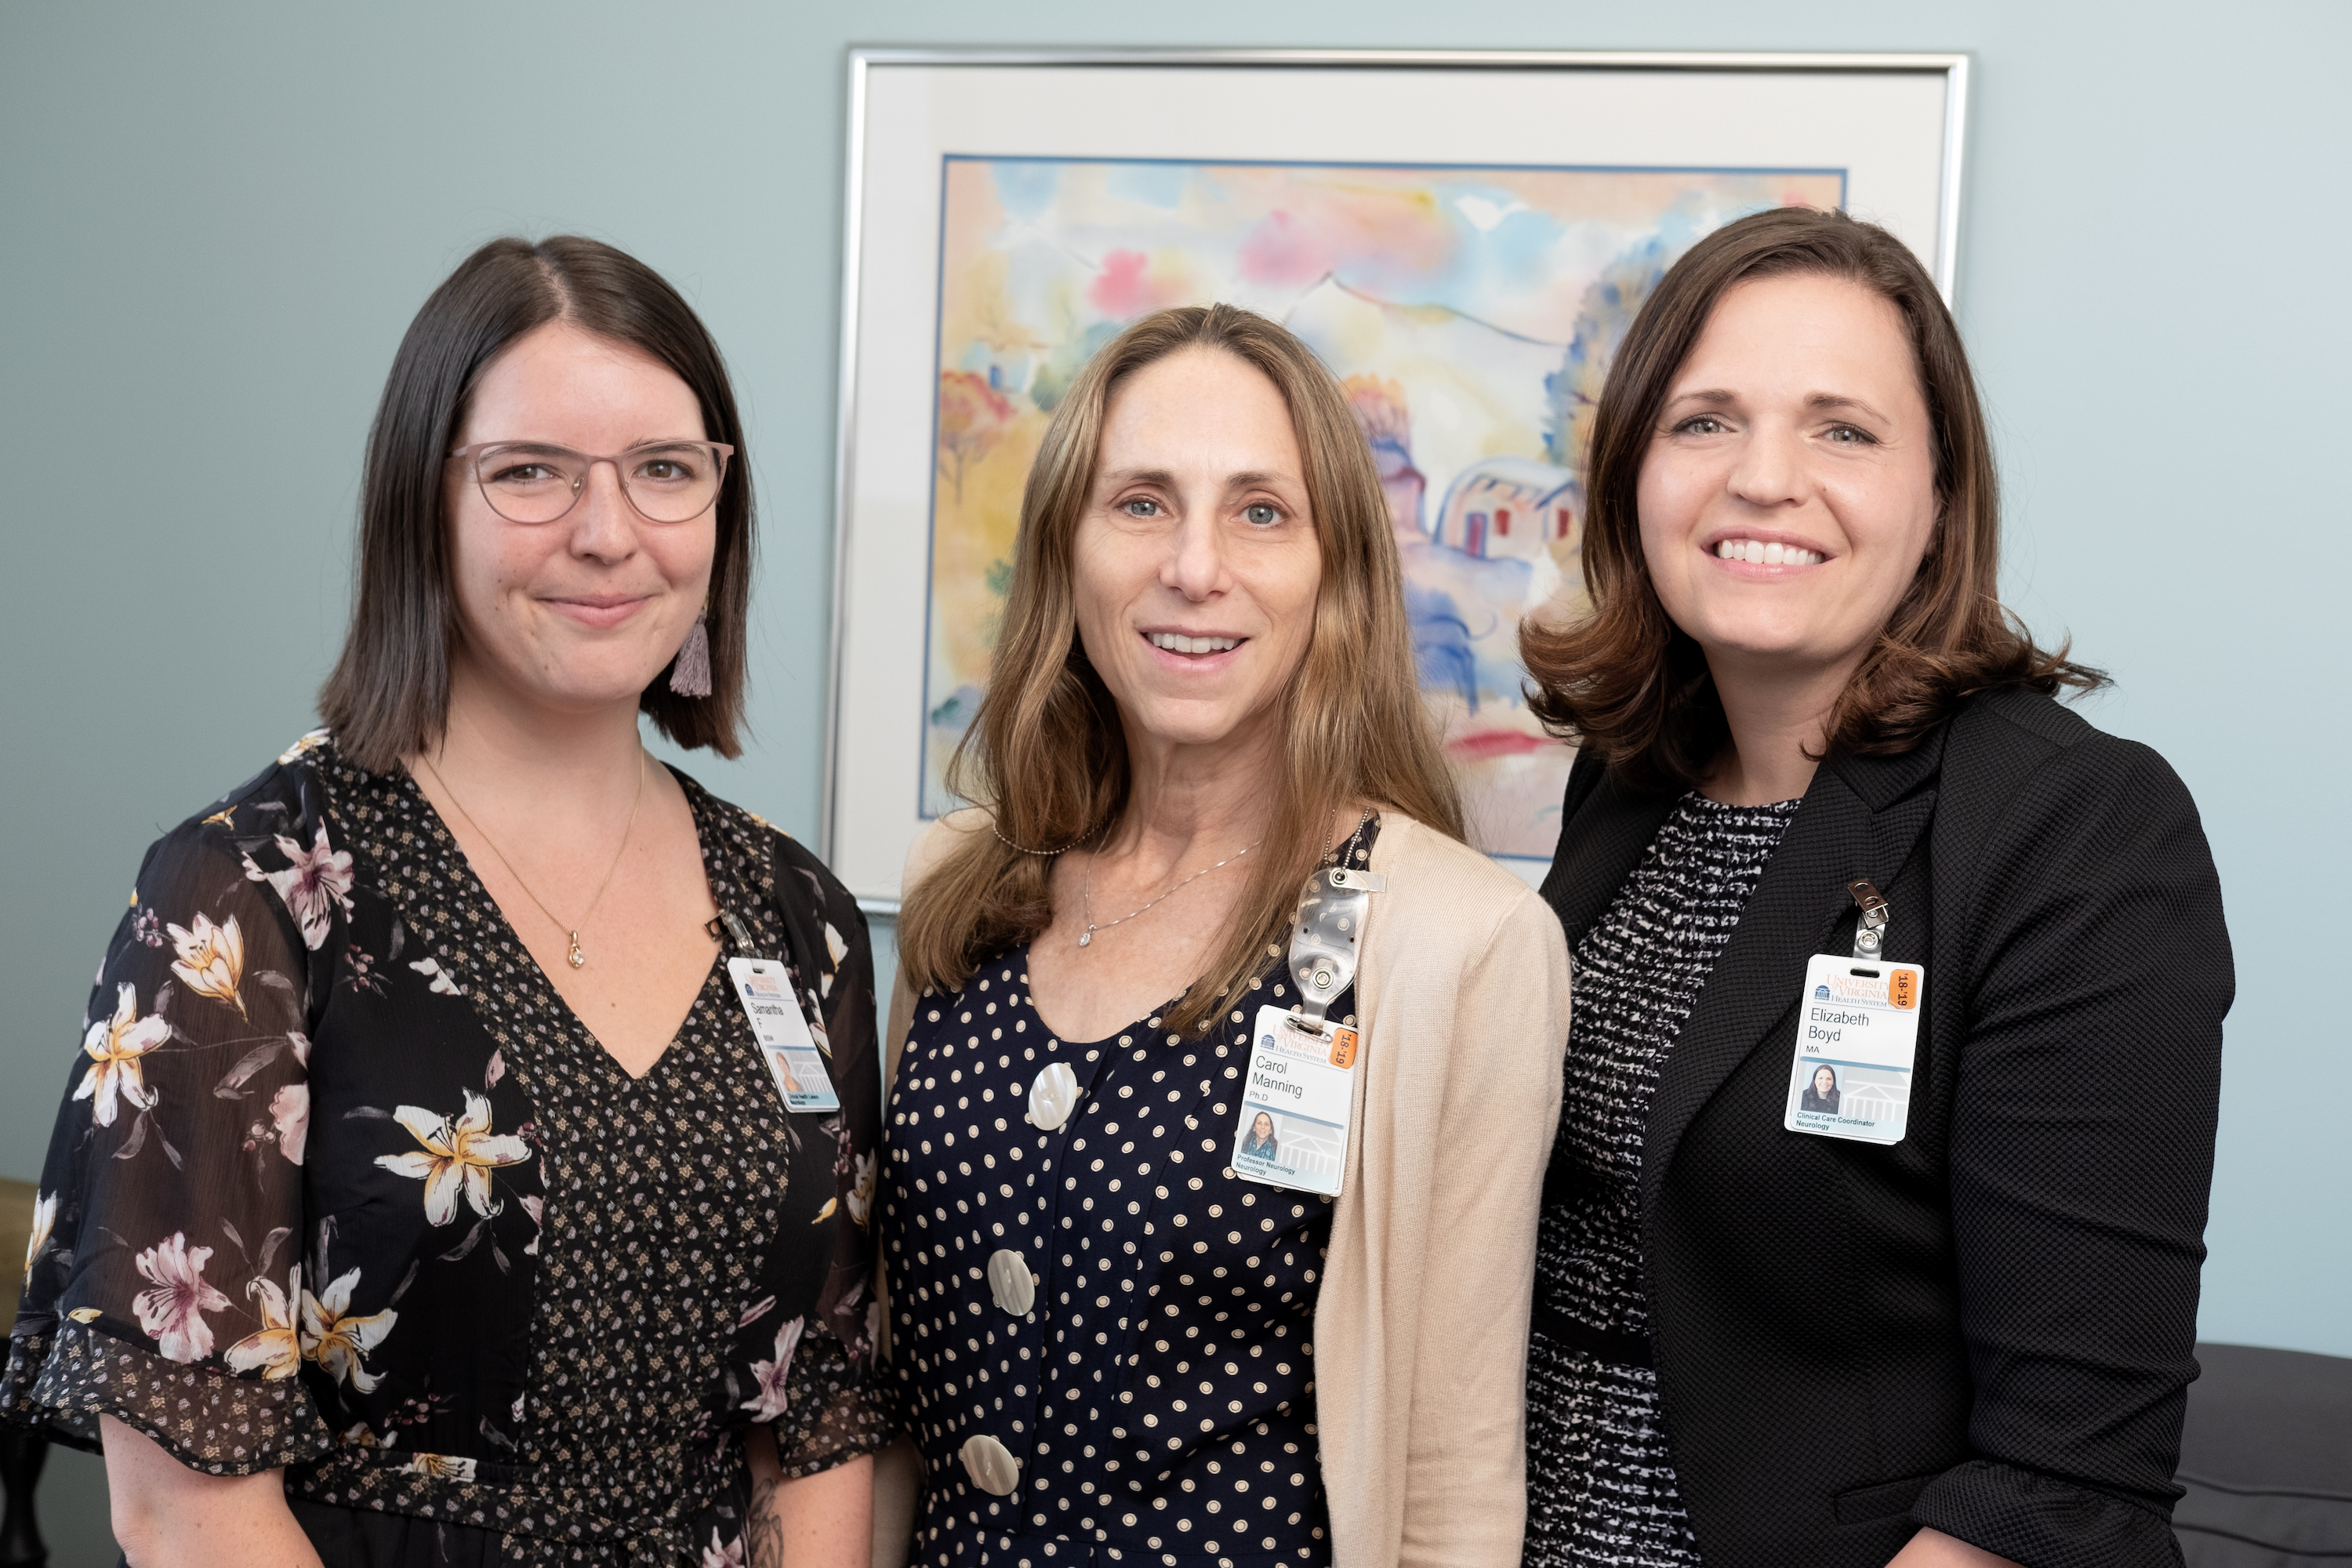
1045, 753
389, 695
1625, 681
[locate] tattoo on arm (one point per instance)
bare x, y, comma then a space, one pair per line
764, 1532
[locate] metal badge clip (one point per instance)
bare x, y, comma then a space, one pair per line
1330, 917
1870, 932
741, 932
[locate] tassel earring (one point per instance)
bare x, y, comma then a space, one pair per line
690, 674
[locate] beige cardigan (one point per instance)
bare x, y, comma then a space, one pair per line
1420, 1327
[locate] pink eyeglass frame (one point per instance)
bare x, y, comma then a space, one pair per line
725, 454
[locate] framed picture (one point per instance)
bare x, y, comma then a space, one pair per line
1463, 238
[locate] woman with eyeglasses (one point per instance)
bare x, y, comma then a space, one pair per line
425, 1190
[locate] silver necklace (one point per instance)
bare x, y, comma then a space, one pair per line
1086, 895
1331, 855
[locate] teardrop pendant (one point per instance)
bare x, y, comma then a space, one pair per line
576, 958
1085, 938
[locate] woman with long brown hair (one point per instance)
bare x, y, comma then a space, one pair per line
1828, 822
1216, 873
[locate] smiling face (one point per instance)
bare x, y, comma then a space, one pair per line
1788, 495
582, 613
1262, 1128
1195, 567
1824, 1081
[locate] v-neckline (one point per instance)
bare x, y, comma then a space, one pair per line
551, 998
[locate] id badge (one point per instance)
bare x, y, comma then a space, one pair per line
792, 1058
1296, 1102
1857, 1036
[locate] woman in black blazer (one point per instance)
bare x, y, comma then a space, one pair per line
1948, 1323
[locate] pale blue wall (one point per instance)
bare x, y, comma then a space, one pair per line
215, 220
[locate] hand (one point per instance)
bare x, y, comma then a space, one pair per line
169, 1516
1934, 1549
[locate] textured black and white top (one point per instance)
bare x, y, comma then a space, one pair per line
1601, 1479
1101, 1335
341, 1185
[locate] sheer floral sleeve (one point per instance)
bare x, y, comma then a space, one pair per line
833, 1411
819, 1388
164, 1283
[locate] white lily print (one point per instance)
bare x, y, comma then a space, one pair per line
275, 1349
290, 1113
307, 743
45, 1220
212, 958
115, 1046
861, 1192
315, 880
173, 1310
773, 1397
455, 1155
338, 1341
442, 985
723, 1554
448, 1467
835, 950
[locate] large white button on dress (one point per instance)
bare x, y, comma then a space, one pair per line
1009, 1281
1053, 1096
991, 1465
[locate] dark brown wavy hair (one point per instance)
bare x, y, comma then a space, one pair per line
1628, 683
389, 695
1046, 753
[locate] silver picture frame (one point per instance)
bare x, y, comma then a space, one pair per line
1951, 70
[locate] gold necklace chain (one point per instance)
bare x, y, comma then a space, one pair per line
576, 958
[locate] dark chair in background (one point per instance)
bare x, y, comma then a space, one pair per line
22, 1450
2266, 1460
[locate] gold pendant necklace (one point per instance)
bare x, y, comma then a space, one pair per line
572, 956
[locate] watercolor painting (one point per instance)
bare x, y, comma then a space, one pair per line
1470, 313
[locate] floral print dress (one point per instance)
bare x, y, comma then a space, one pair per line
341, 1185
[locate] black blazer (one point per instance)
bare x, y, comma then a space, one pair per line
1996, 1340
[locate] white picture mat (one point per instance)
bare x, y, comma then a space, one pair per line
1886, 128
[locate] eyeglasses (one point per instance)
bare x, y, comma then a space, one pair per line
532, 482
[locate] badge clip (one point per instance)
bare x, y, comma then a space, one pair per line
1870, 932
1331, 918
739, 932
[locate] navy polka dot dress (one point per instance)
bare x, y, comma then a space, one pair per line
1102, 1336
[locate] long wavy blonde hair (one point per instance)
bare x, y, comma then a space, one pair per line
1046, 751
